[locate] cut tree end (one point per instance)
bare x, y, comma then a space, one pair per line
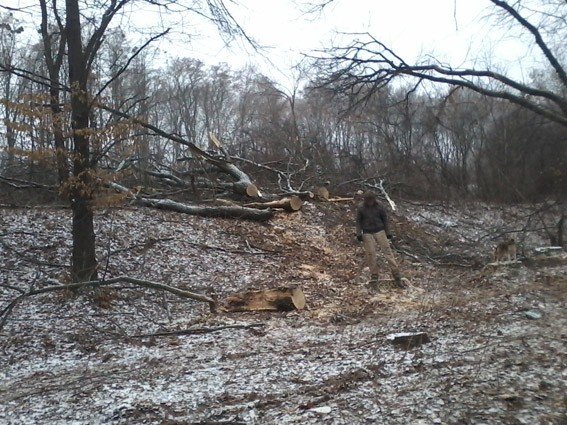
295, 203
322, 193
252, 191
298, 298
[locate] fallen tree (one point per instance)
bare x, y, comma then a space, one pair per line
242, 187
281, 299
291, 204
243, 184
228, 211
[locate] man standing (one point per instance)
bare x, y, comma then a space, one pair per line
372, 230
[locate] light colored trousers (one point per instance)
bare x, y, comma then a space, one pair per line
373, 240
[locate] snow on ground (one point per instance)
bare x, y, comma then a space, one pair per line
85, 359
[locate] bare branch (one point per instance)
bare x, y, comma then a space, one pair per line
365, 67
99, 283
538, 38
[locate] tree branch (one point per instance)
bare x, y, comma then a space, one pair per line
199, 331
366, 66
538, 38
128, 62
99, 283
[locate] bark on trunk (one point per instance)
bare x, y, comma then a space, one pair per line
291, 204
59, 139
83, 261
53, 62
283, 299
229, 211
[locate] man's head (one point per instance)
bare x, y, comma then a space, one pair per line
369, 198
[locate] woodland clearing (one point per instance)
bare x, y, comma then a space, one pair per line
497, 335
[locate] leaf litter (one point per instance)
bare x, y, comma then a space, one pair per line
82, 359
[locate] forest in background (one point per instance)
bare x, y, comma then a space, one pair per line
426, 141
96, 119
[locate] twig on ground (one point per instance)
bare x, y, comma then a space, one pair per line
32, 260
230, 251
98, 283
196, 331
144, 245
24, 184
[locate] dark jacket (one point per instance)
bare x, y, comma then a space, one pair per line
371, 218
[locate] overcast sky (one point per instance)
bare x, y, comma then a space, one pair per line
454, 31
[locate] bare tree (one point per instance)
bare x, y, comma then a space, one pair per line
9, 29
367, 65
54, 42
81, 35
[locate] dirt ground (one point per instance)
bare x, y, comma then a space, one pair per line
497, 350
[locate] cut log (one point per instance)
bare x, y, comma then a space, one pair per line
322, 193
203, 211
241, 187
249, 189
291, 204
282, 299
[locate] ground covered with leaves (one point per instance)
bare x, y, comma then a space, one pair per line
497, 334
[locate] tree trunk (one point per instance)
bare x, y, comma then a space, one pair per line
60, 150
228, 211
290, 204
243, 184
83, 260
10, 134
560, 231
53, 62
282, 299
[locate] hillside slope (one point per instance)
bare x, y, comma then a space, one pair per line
496, 355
